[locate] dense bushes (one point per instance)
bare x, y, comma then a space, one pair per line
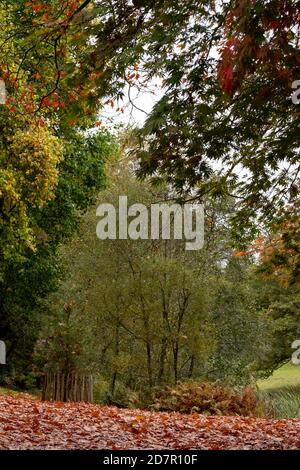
207, 398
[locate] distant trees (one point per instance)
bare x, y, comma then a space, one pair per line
145, 313
279, 266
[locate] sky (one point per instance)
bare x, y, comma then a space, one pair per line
136, 105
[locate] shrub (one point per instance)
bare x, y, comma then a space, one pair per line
207, 398
22, 382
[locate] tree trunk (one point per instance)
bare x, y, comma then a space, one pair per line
162, 359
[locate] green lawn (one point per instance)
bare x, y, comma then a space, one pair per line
285, 376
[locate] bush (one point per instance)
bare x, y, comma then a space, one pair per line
28, 382
207, 398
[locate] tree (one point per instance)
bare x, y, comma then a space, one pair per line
244, 343
28, 178
51, 169
278, 266
261, 38
279, 252
202, 132
36, 272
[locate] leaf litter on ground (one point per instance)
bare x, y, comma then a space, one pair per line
27, 423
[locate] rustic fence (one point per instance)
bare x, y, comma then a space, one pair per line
71, 386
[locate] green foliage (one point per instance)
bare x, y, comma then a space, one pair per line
243, 334
202, 133
50, 167
122, 397
280, 307
27, 280
28, 179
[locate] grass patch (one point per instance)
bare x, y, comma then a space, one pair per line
7, 391
286, 376
10, 392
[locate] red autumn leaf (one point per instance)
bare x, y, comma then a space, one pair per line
274, 24
227, 80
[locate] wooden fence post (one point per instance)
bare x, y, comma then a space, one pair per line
72, 386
